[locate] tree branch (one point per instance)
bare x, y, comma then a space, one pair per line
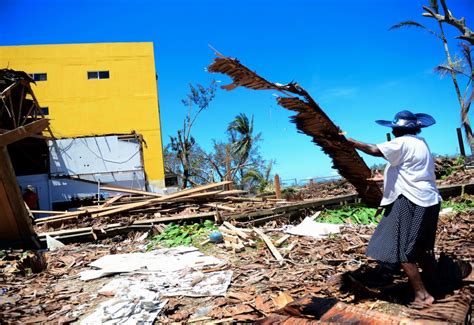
449, 19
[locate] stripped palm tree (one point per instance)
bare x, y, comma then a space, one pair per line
456, 67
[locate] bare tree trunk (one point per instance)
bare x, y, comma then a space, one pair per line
466, 124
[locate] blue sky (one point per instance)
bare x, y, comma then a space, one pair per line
340, 51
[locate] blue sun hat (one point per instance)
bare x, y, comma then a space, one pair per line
408, 120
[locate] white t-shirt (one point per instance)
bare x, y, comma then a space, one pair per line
410, 171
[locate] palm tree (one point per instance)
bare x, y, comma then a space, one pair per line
241, 130
242, 142
259, 179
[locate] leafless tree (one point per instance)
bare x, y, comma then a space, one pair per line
460, 68
182, 144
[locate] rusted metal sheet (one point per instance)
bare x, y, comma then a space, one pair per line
310, 120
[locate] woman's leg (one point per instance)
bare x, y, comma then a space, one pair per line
421, 295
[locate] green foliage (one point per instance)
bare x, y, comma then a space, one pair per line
362, 215
349, 214
458, 206
457, 164
289, 190
460, 161
259, 180
176, 235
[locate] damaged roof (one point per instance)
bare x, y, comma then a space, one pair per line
310, 120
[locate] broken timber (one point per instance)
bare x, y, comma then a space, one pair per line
270, 245
16, 229
20, 118
192, 193
310, 120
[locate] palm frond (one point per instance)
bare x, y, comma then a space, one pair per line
253, 175
407, 23
444, 69
412, 23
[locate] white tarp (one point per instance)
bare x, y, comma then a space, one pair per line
161, 260
147, 278
310, 228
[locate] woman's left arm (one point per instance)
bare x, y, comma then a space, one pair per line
370, 149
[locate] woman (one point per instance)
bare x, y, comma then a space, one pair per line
406, 233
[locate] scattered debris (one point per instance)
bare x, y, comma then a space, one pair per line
265, 269
309, 227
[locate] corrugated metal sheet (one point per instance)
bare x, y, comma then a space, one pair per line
94, 155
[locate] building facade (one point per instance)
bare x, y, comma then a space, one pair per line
103, 91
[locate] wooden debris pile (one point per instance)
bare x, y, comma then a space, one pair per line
236, 239
324, 190
138, 210
20, 119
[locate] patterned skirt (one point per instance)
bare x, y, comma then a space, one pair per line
406, 230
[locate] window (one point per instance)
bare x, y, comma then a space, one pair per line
39, 76
98, 75
45, 110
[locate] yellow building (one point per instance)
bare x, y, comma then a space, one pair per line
97, 89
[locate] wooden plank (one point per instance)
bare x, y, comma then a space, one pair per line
48, 212
282, 240
122, 208
197, 196
71, 215
65, 232
23, 132
14, 214
277, 187
113, 188
270, 245
236, 230
232, 192
112, 200
240, 199
219, 207
8, 228
294, 207
161, 199
447, 191
139, 224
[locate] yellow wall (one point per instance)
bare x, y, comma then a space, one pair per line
126, 102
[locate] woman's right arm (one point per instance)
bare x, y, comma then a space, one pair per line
370, 149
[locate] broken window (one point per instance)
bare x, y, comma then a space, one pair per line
39, 76
98, 75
